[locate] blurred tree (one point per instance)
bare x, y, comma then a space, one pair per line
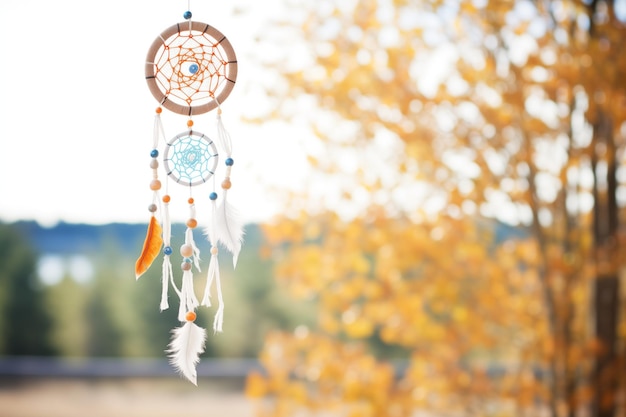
66, 303
105, 326
429, 116
25, 326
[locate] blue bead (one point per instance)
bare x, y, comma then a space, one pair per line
154, 153
187, 15
187, 260
229, 162
213, 196
167, 250
193, 68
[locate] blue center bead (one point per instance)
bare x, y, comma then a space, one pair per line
193, 68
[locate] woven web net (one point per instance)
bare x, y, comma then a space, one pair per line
190, 158
191, 66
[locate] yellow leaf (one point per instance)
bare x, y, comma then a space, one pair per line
256, 386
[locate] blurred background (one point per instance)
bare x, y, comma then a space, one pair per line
434, 195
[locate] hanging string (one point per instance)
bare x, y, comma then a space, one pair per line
167, 275
187, 15
188, 300
153, 241
213, 263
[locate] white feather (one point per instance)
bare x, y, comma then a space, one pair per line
229, 229
185, 348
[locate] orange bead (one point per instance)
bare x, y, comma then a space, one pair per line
190, 316
155, 185
189, 123
159, 110
166, 198
190, 200
192, 223
226, 184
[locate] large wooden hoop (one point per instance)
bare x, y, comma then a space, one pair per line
162, 40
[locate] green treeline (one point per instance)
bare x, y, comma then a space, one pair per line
111, 314
26, 325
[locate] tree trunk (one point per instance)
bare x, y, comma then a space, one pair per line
606, 302
606, 297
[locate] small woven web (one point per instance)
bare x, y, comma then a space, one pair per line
191, 68
190, 159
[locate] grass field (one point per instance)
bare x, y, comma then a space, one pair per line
145, 397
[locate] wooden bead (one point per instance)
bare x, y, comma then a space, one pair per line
159, 110
166, 198
190, 316
155, 185
214, 250
192, 223
185, 266
190, 200
186, 250
226, 184
189, 123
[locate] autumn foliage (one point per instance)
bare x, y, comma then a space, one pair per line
469, 253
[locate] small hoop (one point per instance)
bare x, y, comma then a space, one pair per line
191, 68
190, 158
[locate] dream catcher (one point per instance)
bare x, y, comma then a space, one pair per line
191, 69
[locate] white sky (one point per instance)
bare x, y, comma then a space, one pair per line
76, 114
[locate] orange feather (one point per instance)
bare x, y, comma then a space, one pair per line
151, 248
